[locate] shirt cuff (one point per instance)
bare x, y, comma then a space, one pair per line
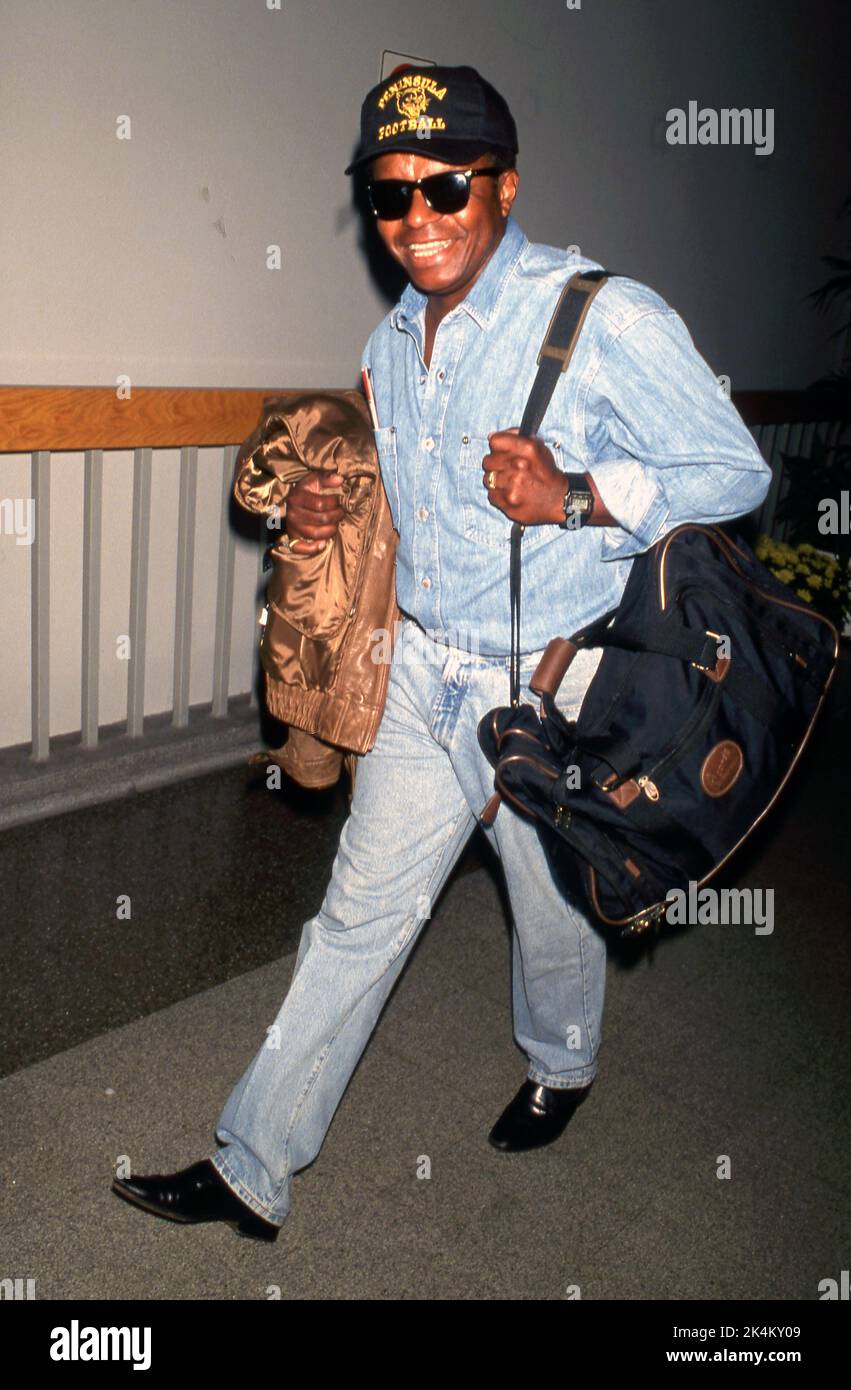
637, 503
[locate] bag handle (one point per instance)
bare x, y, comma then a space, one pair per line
556, 351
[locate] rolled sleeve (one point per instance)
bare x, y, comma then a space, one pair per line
665, 445
636, 500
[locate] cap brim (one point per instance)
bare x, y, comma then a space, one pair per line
445, 151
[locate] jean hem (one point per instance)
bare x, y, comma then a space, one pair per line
242, 1192
579, 1081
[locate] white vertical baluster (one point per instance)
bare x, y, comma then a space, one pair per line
40, 608
92, 512
185, 567
224, 591
139, 591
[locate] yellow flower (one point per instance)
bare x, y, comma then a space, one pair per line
805, 548
816, 581
785, 575
805, 595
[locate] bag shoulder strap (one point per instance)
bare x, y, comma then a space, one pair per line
556, 351
559, 342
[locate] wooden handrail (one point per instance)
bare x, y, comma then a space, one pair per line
65, 418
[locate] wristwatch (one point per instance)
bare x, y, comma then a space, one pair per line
578, 502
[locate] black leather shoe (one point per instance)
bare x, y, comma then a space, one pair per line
195, 1194
537, 1115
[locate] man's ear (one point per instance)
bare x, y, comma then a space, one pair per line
508, 183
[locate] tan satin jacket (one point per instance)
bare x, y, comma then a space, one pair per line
328, 614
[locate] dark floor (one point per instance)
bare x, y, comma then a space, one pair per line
125, 1036
212, 894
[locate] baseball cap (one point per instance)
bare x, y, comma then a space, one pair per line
446, 113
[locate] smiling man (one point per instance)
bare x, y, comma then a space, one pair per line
637, 439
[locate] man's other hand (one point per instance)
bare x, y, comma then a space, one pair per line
313, 511
527, 485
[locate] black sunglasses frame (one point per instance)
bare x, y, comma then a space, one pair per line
427, 187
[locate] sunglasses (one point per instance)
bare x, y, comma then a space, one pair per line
391, 199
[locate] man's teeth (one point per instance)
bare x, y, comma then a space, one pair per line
422, 250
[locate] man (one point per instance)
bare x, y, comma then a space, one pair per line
637, 432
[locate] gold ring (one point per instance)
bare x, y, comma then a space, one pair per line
491, 479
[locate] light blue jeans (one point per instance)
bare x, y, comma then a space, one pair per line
417, 795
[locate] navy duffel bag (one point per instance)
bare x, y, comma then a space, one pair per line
711, 678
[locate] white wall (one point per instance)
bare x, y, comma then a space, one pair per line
147, 256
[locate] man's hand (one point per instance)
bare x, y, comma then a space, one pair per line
313, 511
527, 485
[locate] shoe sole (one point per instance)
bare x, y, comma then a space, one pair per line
241, 1226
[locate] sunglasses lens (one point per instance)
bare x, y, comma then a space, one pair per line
447, 192
390, 198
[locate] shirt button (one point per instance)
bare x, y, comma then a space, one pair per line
426, 583
422, 381
423, 513
441, 374
428, 444
465, 439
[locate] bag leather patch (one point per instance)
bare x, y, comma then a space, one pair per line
721, 767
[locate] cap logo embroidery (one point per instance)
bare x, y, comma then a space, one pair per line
413, 92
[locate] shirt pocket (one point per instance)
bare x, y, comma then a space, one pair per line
385, 443
485, 524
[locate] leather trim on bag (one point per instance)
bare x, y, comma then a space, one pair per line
549, 672
622, 796
719, 670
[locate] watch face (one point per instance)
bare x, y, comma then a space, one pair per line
580, 502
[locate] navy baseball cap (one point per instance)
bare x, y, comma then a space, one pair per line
445, 113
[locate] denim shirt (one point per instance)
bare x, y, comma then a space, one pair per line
638, 408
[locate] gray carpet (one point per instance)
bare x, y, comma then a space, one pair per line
729, 1044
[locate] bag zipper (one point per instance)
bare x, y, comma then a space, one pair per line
705, 709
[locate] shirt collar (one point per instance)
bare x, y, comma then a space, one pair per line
483, 298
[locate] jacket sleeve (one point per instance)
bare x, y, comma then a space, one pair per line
665, 445
265, 469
